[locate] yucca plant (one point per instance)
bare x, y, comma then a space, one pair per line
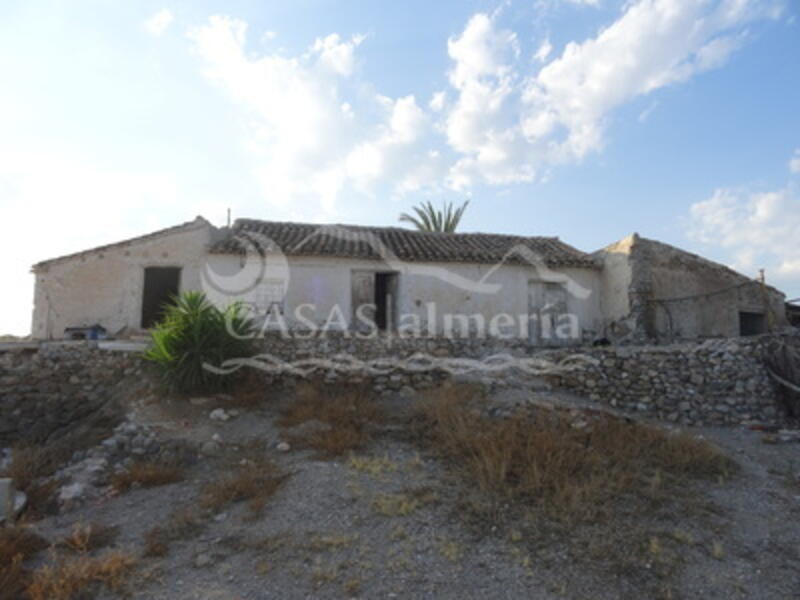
193, 332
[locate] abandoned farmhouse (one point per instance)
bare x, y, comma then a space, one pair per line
302, 275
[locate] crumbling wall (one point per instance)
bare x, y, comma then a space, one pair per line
676, 295
716, 382
60, 391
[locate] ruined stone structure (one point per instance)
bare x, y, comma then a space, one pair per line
654, 291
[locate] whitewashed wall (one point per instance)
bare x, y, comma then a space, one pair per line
326, 283
106, 286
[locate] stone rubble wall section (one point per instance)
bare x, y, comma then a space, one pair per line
714, 382
718, 382
59, 390
45, 394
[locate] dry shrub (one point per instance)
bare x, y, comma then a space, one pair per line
19, 541
14, 579
65, 579
181, 524
335, 442
90, 536
146, 474
30, 466
348, 410
569, 471
17, 544
250, 392
28, 463
255, 481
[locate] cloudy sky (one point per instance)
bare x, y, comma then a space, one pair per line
586, 119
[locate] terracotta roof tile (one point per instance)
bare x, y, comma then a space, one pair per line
306, 239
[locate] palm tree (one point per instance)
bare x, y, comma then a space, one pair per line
430, 219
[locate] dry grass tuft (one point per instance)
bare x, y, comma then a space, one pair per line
14, 579
146, 474
86, 537
323, 543
181, 524
29, 467
250, 392
19, 541
17, 544
75, 578
375, 466
570, 472
348, 410
255, 481
395, 505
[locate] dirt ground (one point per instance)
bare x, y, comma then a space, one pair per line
389, 522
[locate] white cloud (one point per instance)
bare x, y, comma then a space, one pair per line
336, 54
655, 43
544, 51
794, 162
760, 229
159, 22
310, 139
438, 101
480, 124
509, 125
317, 128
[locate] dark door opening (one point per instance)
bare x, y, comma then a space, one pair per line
161, 284
751, 323
385, 293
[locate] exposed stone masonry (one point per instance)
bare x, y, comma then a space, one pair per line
47, 394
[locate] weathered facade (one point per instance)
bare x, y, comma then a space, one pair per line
106, 285
651, 290
300, 276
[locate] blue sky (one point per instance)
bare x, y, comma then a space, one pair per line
586, 119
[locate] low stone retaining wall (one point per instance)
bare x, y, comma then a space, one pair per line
61, 389
711, 383
714, 382
46, 392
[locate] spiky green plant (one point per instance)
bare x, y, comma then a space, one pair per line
193, 332
429, 218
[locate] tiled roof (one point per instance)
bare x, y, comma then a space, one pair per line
306, 239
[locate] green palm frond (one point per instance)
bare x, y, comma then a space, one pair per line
429, 218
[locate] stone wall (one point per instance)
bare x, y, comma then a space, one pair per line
61, 390
715, 382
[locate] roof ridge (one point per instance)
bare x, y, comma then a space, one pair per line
394, 228
197, 221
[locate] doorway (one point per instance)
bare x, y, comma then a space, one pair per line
547, 304
385, 294
161, 285
374, 299
752, 323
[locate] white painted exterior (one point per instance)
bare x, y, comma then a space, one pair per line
105, 286
325, 282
